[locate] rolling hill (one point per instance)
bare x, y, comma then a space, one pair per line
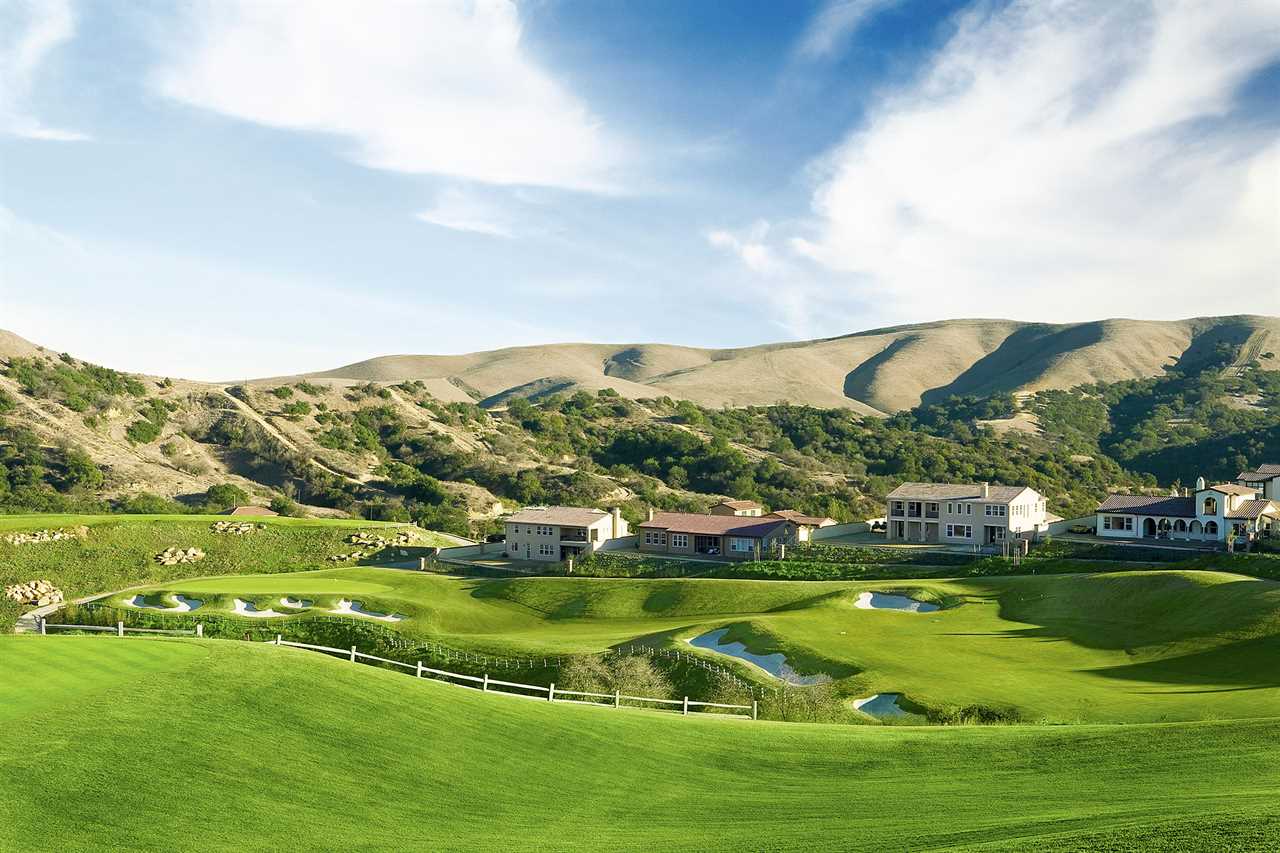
883, 370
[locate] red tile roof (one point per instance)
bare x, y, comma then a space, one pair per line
1147, 505
712, 525
798, 518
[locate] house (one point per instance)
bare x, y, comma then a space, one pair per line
1210, 515
805, 524
251, 510
1265, 480
556, 533
738, 508
735, 537
964, 513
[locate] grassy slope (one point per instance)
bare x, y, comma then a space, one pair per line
120, 550
1130, 647
173, 744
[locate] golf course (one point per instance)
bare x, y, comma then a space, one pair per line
1121, 647
183, 745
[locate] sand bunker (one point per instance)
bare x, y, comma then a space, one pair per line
882, 601
774, 664
181, 604
880, 705
245, 608
352, 608
296, 603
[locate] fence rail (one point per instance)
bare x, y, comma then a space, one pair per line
553, 695
120, 629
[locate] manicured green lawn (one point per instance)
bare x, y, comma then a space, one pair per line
142, 744
1119, 647
120, 550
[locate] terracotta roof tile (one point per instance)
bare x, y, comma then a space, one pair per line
712, 525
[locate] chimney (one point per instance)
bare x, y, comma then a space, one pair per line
1199, 484
650, 517
986, 491
617, 520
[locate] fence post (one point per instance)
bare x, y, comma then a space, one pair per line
120, 629
617, 698
353, 654
419, 674
199, 629
551, 692
484, 685
754, 709
42, 624
686, 706
278, 638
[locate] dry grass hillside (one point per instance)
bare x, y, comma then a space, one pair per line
883, 370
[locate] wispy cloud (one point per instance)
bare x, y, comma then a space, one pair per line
30, 30
829, 30
1067, 159
748, 246
443, 87
461, 210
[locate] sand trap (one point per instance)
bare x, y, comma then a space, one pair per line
880, 705
882, 601
182, 604
296, 603
244, 608
774, 664
352, 608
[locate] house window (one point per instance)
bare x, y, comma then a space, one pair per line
896, 508
968, 509
995, 510
1210, 506
998, 533
1211, 528
959, 531
547, 550
544, 530
679, 540
655, 537
741, 544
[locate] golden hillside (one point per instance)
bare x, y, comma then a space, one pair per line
883, 370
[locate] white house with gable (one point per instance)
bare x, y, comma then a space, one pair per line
1211, 514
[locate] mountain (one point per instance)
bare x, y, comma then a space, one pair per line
878, 371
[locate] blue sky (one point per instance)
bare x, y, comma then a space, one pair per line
230, 189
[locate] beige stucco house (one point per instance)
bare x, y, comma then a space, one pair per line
749, 509
729, 536
805, 524
556, 533
964, 513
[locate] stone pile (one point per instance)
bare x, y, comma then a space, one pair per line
39, 593
236, 528
37, 536
373, 543
174, 556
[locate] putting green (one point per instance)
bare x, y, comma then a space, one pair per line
1119, 647
178, 744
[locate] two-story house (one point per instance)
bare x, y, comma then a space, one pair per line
555, 533
1265, 480
1212, 513
964, 513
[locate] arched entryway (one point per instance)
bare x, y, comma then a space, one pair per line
1211, 529
1196, 530
1149, 527
1180, 526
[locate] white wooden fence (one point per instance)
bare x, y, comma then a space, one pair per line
485, 683
120, 629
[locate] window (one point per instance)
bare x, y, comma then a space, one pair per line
999, 533
741, 544
896, 508
545, 530
968, 509
1210, 506
547, 550
996, 510
1211, 528
679, 540
959, 531
1117, 522
655, 537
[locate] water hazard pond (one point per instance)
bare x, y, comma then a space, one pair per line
774, 664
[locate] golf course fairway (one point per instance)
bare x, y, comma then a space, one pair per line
1160, 646
168, 744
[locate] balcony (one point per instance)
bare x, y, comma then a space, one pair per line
573, 535
930, 513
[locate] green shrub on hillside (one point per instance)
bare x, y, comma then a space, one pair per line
284, 392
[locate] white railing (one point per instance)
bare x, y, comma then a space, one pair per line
120, 629
553, 695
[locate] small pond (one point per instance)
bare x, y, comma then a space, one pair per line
884, 601
880, 705
774, 664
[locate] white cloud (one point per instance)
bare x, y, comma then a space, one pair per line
461, 210
441, 87
1066, 160
831, 27
29, 31
749, 246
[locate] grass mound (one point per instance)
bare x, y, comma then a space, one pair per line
161, 744
120, 550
